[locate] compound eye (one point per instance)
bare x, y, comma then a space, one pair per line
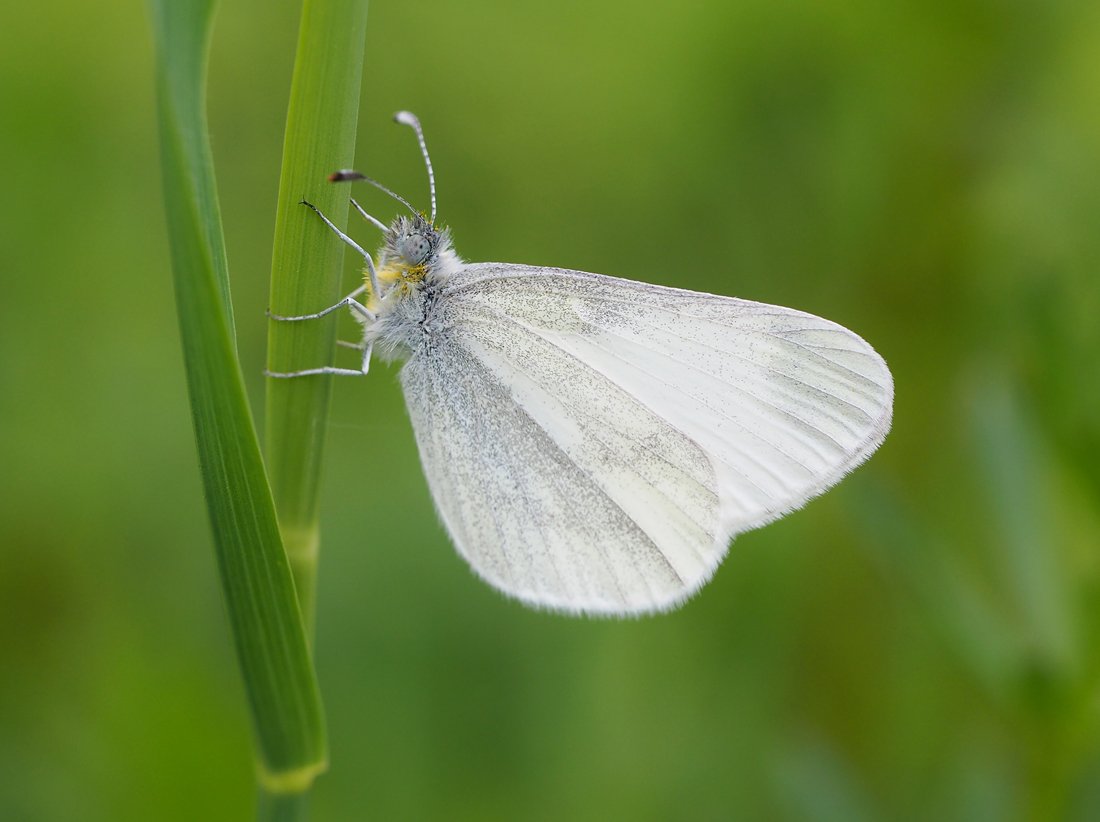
415, 248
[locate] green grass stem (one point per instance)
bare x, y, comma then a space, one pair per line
306, 267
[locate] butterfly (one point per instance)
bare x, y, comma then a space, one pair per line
593, 444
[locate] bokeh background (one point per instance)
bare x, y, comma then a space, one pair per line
920, 643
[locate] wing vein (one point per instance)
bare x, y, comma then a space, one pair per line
748, 457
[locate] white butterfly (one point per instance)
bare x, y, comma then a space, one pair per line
593, 444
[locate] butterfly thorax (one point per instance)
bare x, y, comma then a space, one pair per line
414, 263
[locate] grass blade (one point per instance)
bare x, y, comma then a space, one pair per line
306, 266
259, 589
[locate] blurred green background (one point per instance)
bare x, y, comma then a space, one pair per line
921, 643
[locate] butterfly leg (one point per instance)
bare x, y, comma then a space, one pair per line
309, 372
367, 257
348, 301
364, 365
364, 348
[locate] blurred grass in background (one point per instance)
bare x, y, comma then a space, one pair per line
922, 642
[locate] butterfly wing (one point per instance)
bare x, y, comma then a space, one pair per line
592, 443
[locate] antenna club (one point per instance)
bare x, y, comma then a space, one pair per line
345, 175
407, 118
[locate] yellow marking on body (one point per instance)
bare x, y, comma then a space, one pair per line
393, 274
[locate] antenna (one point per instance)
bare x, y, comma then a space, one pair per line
407, 118
350, 175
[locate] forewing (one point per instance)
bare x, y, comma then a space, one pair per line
593, 443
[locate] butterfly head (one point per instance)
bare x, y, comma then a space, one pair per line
414, 250
411, 242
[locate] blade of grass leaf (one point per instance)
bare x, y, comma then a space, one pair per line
261, 601
306, 266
